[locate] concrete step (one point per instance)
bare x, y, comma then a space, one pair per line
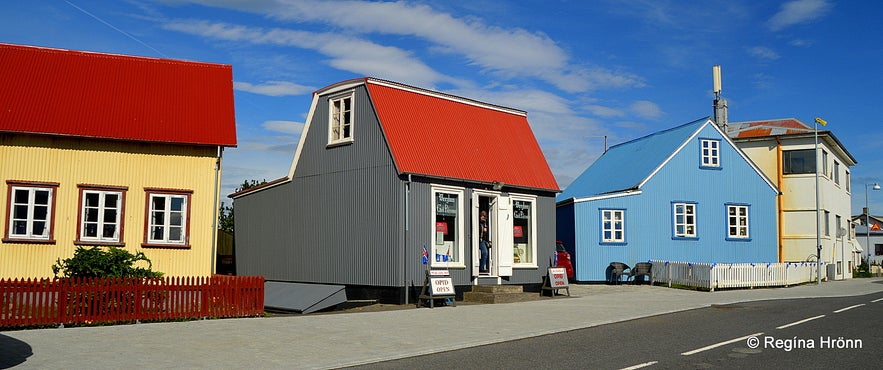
499, 294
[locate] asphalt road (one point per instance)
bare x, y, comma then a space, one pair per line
811, 333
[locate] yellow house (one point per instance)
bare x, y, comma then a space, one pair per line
110, 150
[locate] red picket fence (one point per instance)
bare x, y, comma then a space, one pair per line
107, 300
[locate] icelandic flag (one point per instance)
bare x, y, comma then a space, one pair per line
425, 255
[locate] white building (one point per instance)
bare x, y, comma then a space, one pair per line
785, 150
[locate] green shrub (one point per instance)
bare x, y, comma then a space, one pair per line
95, 262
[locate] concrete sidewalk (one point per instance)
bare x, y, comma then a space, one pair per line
332, 341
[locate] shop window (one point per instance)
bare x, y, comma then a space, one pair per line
340, 123
878, 249
168, 218
100, 216
447, 247
31, 212
523, 231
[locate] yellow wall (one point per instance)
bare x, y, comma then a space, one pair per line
73, 161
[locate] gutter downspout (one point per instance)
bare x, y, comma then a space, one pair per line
779, 182
405, 243
217, 202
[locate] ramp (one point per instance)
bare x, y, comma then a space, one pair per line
300, 297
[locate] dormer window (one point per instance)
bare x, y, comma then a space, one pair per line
710, 153
340, 119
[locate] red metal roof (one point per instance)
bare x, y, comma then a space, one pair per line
767, 128
444, 136
85, 94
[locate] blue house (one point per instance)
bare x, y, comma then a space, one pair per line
683, 194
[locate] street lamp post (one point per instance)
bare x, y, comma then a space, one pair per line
868, 223
818, 215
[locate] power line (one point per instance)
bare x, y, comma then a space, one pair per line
117, 29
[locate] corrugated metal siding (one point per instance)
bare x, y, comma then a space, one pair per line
62, 92
342, 207
649, 219
465, 141
72, 161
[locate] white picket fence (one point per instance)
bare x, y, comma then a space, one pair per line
713, 276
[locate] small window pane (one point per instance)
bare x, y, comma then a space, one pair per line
177, 204
92, 199
92, 215
20, 212
39, 227
91, 230
109, 231
21, 196
41, 197
159, 203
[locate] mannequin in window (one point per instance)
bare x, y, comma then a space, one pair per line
483, 242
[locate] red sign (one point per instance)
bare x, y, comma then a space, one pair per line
441, 227
517, 232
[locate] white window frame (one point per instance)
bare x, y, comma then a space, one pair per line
615, 225
738, 224
460, 233
29, 235
532, 233
166, 225
337, 125
101, 222
710, 152
689, 212
837, 172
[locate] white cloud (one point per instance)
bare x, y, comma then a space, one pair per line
347, 53
763, 52
602, 111
509, 52
646, 109
285, 127
797, 12
274, 88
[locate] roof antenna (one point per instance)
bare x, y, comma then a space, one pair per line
720, 104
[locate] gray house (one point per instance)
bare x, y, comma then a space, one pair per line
387, 176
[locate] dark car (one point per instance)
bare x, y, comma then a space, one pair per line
562, 258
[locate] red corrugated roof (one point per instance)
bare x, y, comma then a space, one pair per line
767, 128
75, 93
444, 136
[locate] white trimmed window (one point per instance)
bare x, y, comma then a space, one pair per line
836, 173
168, 216
340, 122
710, 152
447, 218
684, 220
523, 226
612, 226
737, 222
100, 219
30, 212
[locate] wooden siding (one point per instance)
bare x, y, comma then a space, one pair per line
73, 161
648, 216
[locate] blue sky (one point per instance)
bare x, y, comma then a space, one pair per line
581, 69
